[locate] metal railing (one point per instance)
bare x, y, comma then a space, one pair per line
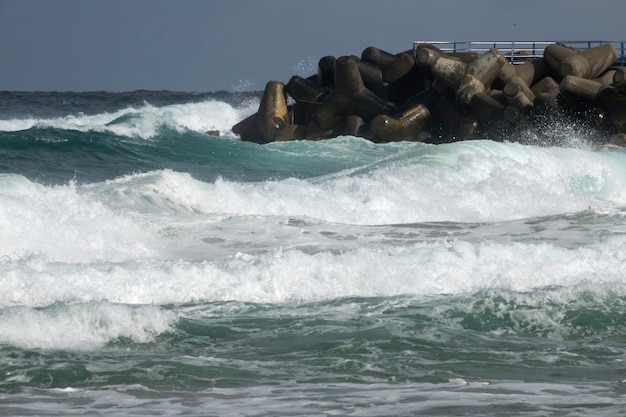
518, 52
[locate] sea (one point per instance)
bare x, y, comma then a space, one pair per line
149, 268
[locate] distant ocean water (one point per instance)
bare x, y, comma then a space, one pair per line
147, 268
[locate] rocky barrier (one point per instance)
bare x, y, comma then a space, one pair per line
436, 97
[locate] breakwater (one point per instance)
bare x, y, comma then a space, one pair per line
429, 95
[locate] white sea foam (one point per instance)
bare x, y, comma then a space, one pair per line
144, 121
355, 398
81, 326
62, 225
87, 305
70, 254
161, 227
470, 182
427, 268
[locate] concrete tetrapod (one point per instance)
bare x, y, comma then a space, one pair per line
447, 70
518, 94
326, 71
272, 116
405, 127
349, 83
440, 97
479, 74
590, 63
581, 87
593, 63
615, 105
377, 56
273, 112
619, 80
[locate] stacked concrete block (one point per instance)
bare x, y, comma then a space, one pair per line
432, 96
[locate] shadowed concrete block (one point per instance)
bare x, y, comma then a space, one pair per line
405, 127
353, 125
348, 81
486, 108
332, 111
377, 56
398, 68
619, 80
533, 71
305, 91
371, 74
546, 86
326, 71
291, 132
459, 125
247, 128
518, 94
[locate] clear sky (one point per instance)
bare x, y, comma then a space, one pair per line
209, 45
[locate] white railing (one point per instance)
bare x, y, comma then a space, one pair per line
518, 52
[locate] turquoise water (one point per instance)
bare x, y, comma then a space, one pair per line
147, 268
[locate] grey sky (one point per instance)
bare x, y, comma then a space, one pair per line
209, 45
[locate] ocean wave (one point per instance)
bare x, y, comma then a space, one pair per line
476, 181
143, 121
82, 326
309, 273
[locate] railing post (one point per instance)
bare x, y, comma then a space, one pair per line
512, 60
